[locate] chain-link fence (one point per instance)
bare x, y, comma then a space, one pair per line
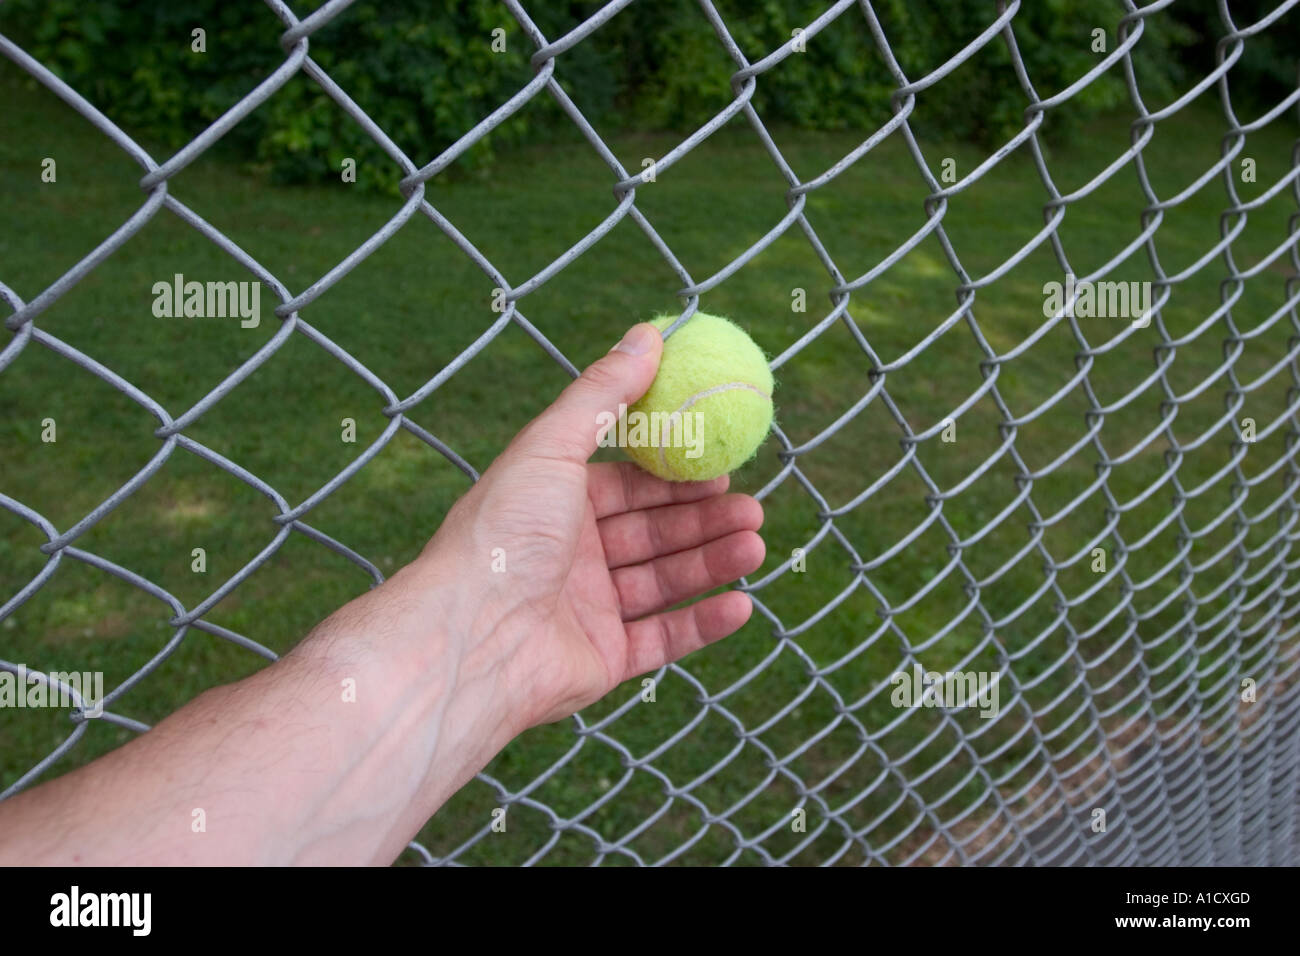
1117, 739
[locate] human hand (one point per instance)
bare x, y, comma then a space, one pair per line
590, 557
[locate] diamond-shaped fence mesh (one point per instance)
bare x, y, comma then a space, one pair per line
1145, 666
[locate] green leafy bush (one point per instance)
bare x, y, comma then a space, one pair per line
426, 72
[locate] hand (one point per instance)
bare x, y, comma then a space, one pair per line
592, 556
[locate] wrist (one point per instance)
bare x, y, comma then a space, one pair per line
419, 681
488, 622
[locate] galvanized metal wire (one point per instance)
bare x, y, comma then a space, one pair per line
1184, 775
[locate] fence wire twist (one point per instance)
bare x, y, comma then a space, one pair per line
1172, 796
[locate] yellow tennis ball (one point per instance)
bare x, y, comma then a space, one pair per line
709, 407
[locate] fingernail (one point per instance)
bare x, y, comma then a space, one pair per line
638, 340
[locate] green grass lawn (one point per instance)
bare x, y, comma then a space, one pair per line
415, 304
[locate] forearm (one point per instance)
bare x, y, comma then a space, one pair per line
336, 754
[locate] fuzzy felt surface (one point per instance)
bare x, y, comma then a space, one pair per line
709, 407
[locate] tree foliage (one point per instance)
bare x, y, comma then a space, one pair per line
426, 70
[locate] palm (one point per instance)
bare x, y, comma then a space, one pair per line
587, 631
595, 553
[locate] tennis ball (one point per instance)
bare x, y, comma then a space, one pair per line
709, 407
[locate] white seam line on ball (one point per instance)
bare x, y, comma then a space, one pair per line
666, 434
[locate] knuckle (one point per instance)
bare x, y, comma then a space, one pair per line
602, 376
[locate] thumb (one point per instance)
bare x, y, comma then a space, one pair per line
572, 427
